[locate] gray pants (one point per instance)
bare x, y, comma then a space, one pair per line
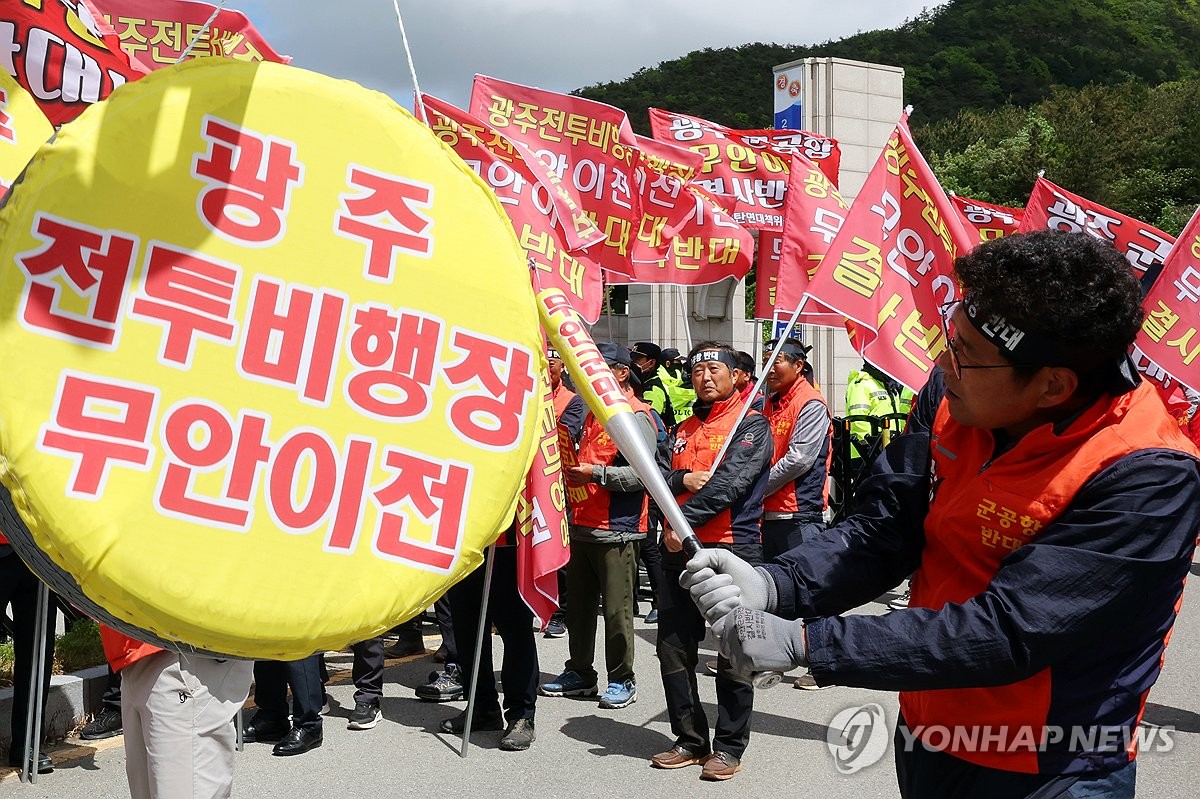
177, 711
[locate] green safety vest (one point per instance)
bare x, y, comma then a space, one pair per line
681, 396
866, 396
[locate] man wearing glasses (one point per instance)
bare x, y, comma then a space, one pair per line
1049, 507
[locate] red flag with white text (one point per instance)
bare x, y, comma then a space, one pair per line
1168, 345
548, 222
156, 32
61, 57
1054, 208
589, 146
543, 538
747, 167
988, 220
891, 265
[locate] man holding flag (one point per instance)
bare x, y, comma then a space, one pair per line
1049, 510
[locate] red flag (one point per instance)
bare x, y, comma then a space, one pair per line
988, 220
156, 32
1051, 207
1169, 340
543, 542
58, 54
891, 266
813, 216
548, 222
749, 167
767, 291
589, 145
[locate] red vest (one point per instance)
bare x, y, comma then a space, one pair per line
3, 539
121, 650
602, 509
982, 510
696, 446
812, 490
562, 397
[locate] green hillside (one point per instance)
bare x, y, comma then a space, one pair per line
1101, 95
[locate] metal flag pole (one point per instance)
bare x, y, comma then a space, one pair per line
489, 559
687, 326
33, 716
787, 331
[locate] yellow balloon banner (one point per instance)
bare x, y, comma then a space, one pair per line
272, 354
23, 129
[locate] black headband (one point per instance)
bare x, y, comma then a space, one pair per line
552, 353
720, 356
1022, 346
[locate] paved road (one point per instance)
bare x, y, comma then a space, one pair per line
583, 751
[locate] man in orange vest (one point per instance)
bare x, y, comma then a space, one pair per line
723, 504
608, 523
801, 430
1049, 506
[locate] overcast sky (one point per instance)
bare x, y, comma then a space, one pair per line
558, 45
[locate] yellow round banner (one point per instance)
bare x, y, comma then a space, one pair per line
271, 360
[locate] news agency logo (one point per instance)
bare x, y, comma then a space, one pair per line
857, 737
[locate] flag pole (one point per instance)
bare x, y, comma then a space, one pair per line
787, 331
595, 383
687, 327
489, 559
33, 716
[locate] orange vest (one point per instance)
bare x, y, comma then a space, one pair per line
982, 510
695, 449
602, 509
562, 397
121, 650
810, 494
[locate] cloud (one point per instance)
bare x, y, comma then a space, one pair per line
559, 45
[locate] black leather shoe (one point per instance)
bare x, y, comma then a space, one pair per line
265, 730
297, 742
44, 765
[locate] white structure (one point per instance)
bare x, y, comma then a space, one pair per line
856, 103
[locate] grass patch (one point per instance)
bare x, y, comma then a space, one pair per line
78, 648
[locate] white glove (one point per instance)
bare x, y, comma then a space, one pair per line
720, 581
754, 641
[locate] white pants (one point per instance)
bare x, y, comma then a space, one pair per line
177, 711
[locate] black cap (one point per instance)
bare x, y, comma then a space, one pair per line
670, 354
647, 349
614, 354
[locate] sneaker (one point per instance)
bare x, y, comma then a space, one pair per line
443, 686
518, 736
805, 682
720, 766
492, 720
365, 716
652, 616
556, 628
900, 602
619, 694
568, 684
106, 724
